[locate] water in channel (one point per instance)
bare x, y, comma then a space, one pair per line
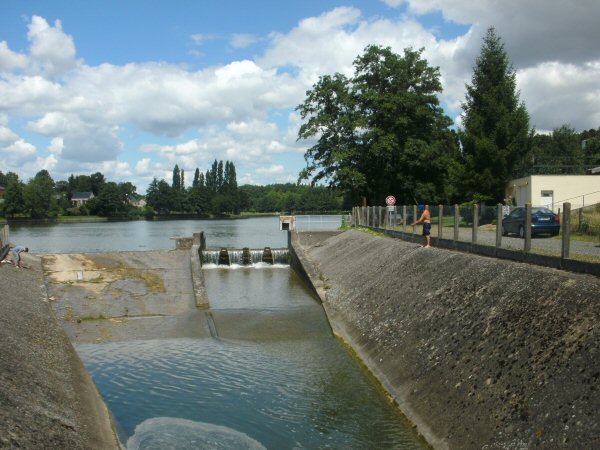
273, 376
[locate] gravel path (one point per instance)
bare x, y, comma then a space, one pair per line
544, 244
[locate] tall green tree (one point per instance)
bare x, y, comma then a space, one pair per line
39, 197
496, 135
381, 132
13, 196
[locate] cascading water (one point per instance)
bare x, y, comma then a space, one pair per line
246, 256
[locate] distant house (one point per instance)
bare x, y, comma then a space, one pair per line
81, 198
138, 203
554, 190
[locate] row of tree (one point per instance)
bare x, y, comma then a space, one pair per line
383, 132
41, 197
214, 192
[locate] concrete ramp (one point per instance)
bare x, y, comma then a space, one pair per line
101, 297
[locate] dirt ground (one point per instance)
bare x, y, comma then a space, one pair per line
101, 297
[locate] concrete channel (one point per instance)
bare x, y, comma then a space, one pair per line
477, 352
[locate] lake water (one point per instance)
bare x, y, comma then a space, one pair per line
273, 376
139, 235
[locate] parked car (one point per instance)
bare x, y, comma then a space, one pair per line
543, 220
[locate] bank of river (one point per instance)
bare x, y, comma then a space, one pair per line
478, 352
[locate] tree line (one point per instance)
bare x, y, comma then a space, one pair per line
212, 193
383, 131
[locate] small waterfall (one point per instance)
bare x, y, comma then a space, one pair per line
246, 256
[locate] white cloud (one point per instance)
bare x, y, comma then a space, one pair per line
56, 146
52, 51
7, 136
242, 40
10, 60
274, 169
17, 153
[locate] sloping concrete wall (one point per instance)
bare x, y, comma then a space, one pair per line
478, 352
47, 398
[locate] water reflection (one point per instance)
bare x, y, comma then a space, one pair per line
256, 232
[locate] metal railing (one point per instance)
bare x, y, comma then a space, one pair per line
479, 228
318, 222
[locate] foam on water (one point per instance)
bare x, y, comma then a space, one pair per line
171, 432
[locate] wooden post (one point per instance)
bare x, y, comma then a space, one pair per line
527, 244
456, 221
440, 223
414, 228
475, 222
499, 226
566, 231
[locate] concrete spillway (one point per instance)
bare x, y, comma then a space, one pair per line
478, 352
245, 256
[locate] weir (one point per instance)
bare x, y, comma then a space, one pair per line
245, 256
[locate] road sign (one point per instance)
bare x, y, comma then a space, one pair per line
390, 200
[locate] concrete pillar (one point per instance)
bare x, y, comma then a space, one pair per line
414, 229
527, 243
475, 223
440, 223
566, 231
499, 226
456, 222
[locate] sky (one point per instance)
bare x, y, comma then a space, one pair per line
131, 88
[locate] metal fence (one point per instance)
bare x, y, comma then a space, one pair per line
319, 222
481, 225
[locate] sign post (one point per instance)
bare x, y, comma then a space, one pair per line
390, 201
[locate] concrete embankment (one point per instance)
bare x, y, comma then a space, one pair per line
47, 398
477, 352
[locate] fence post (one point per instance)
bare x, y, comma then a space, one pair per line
414, 228
566, 229
527, 244
395, 218
475, 222
404, 218
456, 221
499, 226
440, 223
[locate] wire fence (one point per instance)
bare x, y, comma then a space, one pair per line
566, 234
319, 222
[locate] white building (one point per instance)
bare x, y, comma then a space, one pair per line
553, 190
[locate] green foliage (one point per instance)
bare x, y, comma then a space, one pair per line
13, 196
291, 198
496, 135
38, 196
382, 131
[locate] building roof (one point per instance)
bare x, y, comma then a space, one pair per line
82, 195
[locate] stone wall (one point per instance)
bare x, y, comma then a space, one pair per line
477, 352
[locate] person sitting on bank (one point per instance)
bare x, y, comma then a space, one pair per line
426, 221
16, 252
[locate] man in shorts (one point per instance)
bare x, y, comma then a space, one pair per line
425, 219
16, 253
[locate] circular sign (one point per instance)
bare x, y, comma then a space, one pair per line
390, 200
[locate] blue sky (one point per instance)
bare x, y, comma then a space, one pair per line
131, 88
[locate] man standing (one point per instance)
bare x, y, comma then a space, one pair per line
17, 255
426, 221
